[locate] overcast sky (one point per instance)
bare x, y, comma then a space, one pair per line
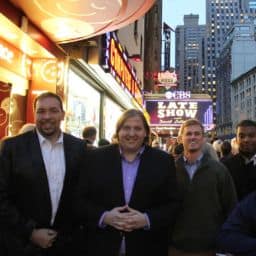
173, 12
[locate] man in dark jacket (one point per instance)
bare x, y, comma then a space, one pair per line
208, 194
38, 175
238, 234
128, 198
242, 166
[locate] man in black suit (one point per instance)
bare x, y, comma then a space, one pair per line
128, 195
242, 166
39, 173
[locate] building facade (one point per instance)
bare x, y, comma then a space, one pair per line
221, 15
237, 57
190, 54
152, 46
243, 97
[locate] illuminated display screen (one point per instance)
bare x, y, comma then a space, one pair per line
173, 113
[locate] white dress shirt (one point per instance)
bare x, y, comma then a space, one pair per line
54, 161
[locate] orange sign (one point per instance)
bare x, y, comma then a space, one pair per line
121, 70
14, 60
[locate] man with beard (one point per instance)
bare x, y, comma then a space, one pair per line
208, 195
38, 175
242, 166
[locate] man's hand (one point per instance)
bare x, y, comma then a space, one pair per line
117, 217
43, 238
135, 220
125, 219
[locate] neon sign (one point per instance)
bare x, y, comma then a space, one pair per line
178, 95
116, 61
179, 109
172, 113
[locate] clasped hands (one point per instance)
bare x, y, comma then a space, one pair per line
43, 237
125, 219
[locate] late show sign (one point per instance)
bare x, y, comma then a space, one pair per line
174, 112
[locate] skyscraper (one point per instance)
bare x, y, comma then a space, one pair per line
190, 54
221, 15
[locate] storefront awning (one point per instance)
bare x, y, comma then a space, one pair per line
73, 20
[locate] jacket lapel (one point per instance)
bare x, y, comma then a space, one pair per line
144, 167
115, 161
39, 167
68, 171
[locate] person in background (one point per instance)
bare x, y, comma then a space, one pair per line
242, 166
103, 142
225, 150
238, 233
207, 192
89, 135
26, 128
156, 144
234, 146
38, 175
176, 150
217, 145
128, 198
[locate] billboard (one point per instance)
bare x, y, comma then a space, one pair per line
173, 112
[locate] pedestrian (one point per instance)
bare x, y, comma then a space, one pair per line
238, 233
128, 199
207, 193
37, 182
103, 142
89, 135
225, 150
242, 166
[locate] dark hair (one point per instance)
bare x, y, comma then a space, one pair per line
178, 149
89, 131
225, 148
132, 113
245, 123
103, 142
48, 95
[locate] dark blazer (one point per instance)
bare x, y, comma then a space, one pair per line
238, 233
24, 194
244, 175
154, 193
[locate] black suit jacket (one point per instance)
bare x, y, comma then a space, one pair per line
154, 193
244, 175
25, 201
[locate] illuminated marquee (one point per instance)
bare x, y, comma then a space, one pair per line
177, 109
173, 113
123, 73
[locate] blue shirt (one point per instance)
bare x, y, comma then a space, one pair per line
192, 167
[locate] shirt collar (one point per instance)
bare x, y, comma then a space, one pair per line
138, 154
250, 160
42, 139
197, 161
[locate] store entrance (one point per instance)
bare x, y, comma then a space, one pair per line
5, 91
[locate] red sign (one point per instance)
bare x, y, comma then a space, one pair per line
167, 79
121, 70
5, 90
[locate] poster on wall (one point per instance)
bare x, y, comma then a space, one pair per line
5, 90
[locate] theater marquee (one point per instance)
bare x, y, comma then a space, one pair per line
173, 112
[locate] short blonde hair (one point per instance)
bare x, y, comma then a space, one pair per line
190, 122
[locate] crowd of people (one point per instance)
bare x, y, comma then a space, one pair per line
61, 195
